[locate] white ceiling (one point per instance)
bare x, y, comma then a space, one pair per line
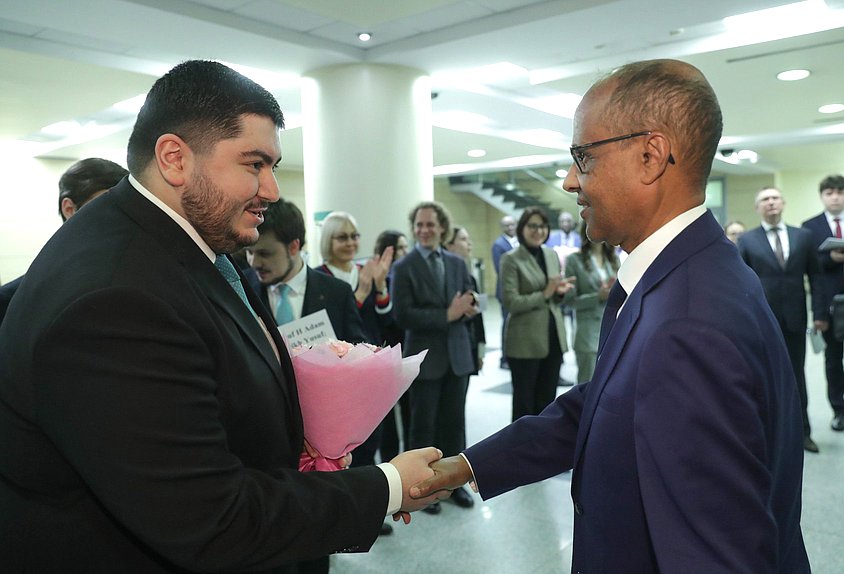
63, 60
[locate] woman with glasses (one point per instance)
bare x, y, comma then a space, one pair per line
535, 334
594, 268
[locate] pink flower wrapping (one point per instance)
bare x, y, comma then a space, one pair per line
344, 393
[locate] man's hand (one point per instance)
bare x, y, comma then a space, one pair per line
821, 326
448, 474
837, 255
413, 467
463, 305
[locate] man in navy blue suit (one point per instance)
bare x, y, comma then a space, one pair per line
782, 256
686, 445
831, 280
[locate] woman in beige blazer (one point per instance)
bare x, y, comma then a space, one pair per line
594, 268
534, 335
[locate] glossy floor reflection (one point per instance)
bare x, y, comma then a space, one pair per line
529, 530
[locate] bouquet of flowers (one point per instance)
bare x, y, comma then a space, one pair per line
345, 391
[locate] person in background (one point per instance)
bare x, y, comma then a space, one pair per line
535, 334
566, 235
460, 244
434, 304
594, 269
148, 406
83, 181
686, 444
339, 245
783, 257
503, 243
391, 438
831, 279
734, 230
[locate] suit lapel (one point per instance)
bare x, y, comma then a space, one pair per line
424, 270
695, 237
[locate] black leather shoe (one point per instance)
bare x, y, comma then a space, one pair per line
434, 508
838, 422
462, 498
386, 529
809, 445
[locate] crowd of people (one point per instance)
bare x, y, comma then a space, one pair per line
148, 404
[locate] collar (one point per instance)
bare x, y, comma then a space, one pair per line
640, 259
830, 218
425, 252
299, 282
183, 223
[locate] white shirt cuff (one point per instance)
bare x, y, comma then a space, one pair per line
472, 484
394, 483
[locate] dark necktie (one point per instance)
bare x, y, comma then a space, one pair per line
614, 302
778, 251
226, 269
283, 311
837, 221
435, 260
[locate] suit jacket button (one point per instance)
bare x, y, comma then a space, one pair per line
578, 509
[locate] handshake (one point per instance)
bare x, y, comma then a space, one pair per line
426, 477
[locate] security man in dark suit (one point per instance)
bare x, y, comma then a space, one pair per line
831, 279
781, 255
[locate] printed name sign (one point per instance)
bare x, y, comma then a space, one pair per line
309, 330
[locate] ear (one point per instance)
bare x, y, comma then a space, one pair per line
174, 159
656, 157
294, 247
68, 208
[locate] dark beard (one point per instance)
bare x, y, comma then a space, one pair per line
208, 209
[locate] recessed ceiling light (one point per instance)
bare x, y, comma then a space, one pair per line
831, 108
793, 75
561, 173
364, 36
476, 153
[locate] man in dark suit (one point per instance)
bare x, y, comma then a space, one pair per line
286, 280
686, 445
148, 408
503, 243
831, 281
82, 182
782, 256
433, 301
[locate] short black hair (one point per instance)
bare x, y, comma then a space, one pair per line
285, 220
202, 102
87, 177
832, 182
527, 214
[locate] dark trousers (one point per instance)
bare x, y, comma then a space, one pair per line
795, 343
390, 444
438, 413
834, 357
535, 380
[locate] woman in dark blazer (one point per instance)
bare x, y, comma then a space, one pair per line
535, 334
594, 268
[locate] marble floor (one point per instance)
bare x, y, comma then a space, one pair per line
529, 530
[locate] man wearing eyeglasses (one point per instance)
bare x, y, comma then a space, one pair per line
687, 444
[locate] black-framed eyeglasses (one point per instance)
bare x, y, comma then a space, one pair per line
344, 237
537, 226
580, 158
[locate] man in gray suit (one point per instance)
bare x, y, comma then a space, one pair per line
433, 300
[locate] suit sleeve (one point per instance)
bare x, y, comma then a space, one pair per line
701, 454
531, 449
497, 252
579, 298
354, 332
813, 270
133, 406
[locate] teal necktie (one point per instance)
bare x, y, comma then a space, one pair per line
225, 267
283, 311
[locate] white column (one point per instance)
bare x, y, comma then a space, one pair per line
367, 147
